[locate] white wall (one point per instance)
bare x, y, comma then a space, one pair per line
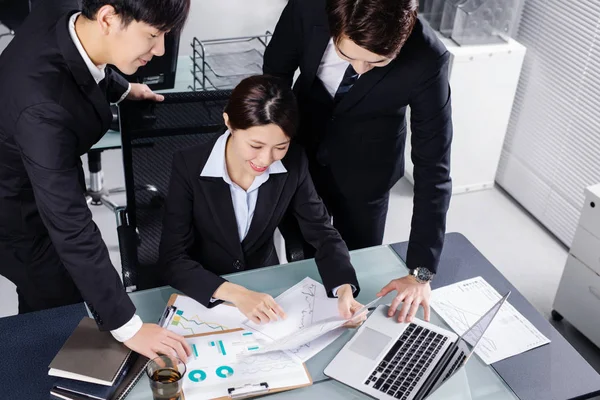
217, 19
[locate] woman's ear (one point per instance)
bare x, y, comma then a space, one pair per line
226, 119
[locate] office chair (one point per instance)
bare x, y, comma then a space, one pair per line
151, 132
12, 14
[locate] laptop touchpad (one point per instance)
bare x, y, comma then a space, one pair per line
370, 343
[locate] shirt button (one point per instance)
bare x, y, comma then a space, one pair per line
237, 264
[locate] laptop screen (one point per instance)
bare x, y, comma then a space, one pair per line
476, 332
465, 346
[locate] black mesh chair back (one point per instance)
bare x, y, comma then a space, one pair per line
13, 13
151, 132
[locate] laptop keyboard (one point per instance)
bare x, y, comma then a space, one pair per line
459, 361
406, 362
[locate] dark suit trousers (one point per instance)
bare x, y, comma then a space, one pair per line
361, 223
33, 265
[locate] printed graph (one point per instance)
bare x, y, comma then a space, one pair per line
309, 292
462, 320
194, 324
224, 371
219, 345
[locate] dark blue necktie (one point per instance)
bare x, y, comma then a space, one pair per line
349, 79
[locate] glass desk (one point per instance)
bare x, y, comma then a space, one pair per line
375, 267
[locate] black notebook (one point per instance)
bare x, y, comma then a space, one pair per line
90, 355
67, 389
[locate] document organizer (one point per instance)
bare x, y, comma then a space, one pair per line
223, 63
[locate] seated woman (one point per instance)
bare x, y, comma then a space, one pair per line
226, 198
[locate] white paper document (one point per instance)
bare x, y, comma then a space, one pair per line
463, 303
192, 318
216, 366
312, 322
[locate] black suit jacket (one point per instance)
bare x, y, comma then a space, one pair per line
200, 239
51, 112
362, 139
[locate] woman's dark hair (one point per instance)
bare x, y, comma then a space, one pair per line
261, 100
164, 15
380, 26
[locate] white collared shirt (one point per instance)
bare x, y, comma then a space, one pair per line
332, 69
244, 201
98, 72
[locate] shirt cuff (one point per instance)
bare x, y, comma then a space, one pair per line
213, 300
124, 94
128, 330
335, 290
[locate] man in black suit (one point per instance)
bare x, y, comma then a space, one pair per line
56, 91
362, 62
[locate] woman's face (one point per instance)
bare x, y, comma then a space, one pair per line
258, 147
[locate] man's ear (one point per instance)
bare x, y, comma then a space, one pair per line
107, 19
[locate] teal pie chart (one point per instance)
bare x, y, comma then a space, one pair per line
224, 372
197, 375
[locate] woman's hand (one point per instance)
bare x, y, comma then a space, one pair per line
259, 308
347, 306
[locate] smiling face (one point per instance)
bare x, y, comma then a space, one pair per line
134, 45
129, 46
362, 60
251, 151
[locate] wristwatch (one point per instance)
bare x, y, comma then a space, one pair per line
421, 274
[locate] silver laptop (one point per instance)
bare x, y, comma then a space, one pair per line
390, 360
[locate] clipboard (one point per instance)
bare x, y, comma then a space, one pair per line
251, 389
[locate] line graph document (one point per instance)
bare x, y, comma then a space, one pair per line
463, 303
306, 305
192, 318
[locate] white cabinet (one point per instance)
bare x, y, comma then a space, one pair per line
578, 296
483, 80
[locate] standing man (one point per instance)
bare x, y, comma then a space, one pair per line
362, 63
54, 105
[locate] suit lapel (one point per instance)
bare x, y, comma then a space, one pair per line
268, 198
360, 89
80, 72
218, 198
318, 43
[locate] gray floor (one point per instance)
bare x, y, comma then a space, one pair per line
509, 237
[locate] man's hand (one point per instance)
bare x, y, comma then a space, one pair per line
347, 306
140, 91
152, 340
412, 293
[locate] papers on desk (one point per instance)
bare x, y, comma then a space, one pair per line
307, 306
191, 318
216, 369
308, 339
312, 321
463, 303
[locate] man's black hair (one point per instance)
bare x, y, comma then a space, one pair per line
164, 15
